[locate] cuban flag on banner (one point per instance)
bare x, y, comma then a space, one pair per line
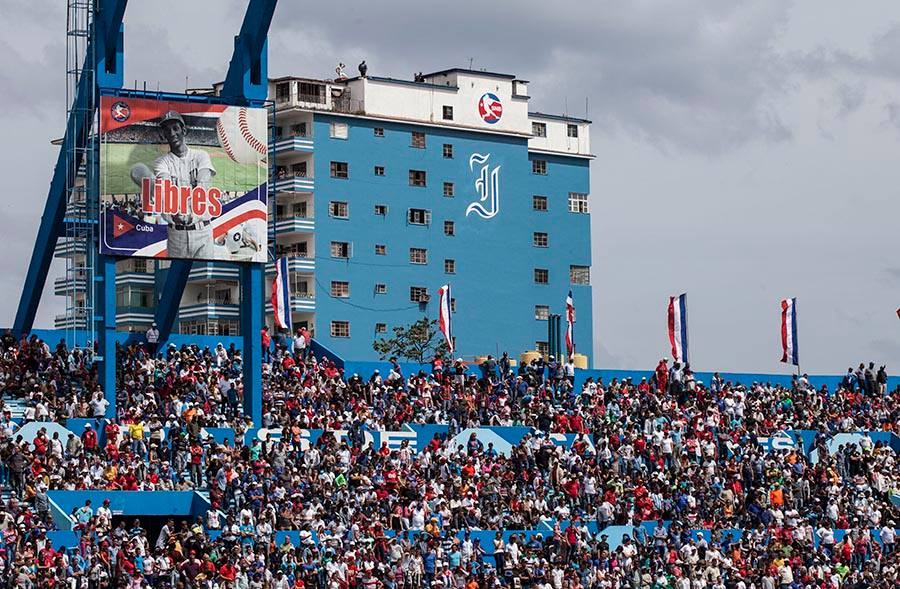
570, 325
678, 328
281, 295
789, 352
444, 319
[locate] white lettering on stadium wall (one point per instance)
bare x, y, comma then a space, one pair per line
488, 187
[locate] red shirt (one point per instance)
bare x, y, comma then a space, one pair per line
228, 572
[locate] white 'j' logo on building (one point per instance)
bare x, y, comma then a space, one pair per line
488, 187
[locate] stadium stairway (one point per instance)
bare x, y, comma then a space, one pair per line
16, 407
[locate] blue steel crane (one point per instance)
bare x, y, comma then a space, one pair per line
246, 83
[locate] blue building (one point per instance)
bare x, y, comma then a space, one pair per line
387, 189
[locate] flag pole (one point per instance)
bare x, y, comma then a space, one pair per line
796, 338
687, 319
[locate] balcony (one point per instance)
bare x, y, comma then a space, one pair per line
66, 248
293, 144
66, 321
296, 182
296, 263
134, 315
288, 224
64, 285
211, 308
135, 278
209, 271
304, 302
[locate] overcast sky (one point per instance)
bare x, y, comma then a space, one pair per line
746, 151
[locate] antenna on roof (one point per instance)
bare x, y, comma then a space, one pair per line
471, 62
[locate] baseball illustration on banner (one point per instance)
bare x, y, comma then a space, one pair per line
183, 179
243, 137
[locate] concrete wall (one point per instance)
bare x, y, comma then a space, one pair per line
558, 139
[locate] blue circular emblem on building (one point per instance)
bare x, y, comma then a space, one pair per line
120, 111
490, 108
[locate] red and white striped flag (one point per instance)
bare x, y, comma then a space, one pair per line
570, 325
444, 315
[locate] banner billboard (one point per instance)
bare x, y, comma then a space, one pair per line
183, 179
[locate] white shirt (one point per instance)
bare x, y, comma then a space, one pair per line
183, 172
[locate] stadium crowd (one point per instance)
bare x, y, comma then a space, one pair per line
667, 448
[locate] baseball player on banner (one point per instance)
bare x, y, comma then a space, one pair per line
189, 235
183, 179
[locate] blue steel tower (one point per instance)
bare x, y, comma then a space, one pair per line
389, 188
95, 60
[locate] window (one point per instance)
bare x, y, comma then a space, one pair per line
295, 209
381, 328
453, 310
338, 209
340, 289
310, 92
580, 274
380, 249
380, 288
379, 131
299, 169
283, 91
299, 130
340, 170
340, 249
417, 177
541, 312
381, 210
418, 140
572, 130
449, 228
540, 239
541, 276
448, 150
418, 217
449, 266
578, 202
340, 329
418, 294
543, 348
418, 255
539, 167
129, 296
379, 170
539, 129
448, 189
539, 203
338, 131
448, 113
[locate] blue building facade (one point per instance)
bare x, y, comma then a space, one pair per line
391, 203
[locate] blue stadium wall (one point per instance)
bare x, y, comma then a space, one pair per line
494, 283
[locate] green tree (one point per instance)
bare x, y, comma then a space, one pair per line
417, 342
